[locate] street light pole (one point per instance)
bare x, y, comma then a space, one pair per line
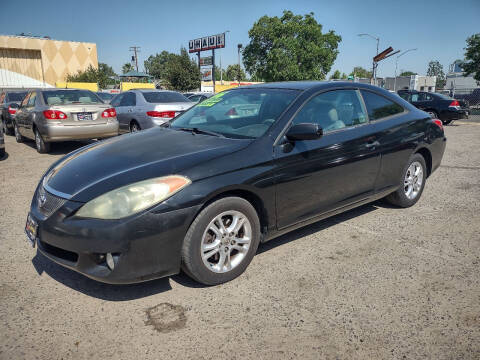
239, 48
396, 66
374, 66
221, 69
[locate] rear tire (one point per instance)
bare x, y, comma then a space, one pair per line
42, 146
18, 136
412, 183
231, 244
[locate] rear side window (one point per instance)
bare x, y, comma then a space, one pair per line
116, 100
31, 100
379, 107
129, 99
164, 97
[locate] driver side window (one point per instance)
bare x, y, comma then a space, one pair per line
333, 110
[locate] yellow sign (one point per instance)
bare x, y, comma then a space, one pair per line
125, 86
77, 85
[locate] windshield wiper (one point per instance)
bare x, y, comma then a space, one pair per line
196, 130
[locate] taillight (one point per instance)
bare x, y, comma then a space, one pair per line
109, 113
12, 110
232, 111
54, 115
438, 123
161, 114
454, 103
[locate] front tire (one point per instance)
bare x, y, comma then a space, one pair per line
412, 183
221, 242
42, 146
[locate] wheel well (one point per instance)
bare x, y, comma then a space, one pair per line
132, 122
252, 198
428, 159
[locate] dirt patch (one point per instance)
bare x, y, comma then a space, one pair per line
166, 317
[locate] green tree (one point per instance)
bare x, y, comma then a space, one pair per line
344, 76
471, 65
360, 72
436, 69
156, 65
336, 75
235, 73
217, 73
291, 47
182, 73
407, 73
126, 68
176, 71
103, 76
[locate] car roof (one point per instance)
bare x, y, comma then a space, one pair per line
308, 85
153, 90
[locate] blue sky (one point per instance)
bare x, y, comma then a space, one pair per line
437, 28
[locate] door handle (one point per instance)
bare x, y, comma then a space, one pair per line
372, 144
130, 110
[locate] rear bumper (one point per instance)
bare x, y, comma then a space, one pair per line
454, 114
57, 132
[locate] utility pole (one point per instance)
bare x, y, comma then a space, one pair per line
136, 50
374, 65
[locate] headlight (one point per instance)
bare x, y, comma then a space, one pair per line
133, 198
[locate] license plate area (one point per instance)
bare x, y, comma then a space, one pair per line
84, 116
31, 228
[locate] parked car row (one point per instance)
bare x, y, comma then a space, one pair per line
439, 106
54, 115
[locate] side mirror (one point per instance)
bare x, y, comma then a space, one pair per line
304, 131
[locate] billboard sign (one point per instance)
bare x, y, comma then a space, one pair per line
206, 61
207, 43
207, 74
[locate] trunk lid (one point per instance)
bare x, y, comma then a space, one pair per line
82, 114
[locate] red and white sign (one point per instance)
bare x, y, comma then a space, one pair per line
207, 43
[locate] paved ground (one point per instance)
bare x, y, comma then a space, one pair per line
374, 283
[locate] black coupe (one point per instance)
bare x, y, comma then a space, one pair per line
240, 168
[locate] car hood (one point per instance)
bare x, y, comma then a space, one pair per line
107, 165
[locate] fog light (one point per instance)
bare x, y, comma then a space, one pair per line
110, 262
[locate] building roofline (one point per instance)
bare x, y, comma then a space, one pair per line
44, 38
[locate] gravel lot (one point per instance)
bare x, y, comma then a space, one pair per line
374, 283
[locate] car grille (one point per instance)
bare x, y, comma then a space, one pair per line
48, 203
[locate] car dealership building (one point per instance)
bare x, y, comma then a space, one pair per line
42, 62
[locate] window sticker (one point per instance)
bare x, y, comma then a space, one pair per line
213, 100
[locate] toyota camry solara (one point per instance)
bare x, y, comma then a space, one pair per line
240, 168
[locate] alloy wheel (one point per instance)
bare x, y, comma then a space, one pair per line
413, 180
226, 241
38, 141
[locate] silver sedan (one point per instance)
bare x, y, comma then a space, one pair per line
143, 109
50, 115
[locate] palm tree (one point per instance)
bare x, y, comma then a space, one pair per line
127, 67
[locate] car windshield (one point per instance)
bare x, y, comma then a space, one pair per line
241, 114
63, 97
16, 96
164, 97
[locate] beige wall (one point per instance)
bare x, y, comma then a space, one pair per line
57, 58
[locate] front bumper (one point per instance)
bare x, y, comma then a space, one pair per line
58, 132
145, 246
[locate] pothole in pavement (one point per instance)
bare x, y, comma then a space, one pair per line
166, 317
